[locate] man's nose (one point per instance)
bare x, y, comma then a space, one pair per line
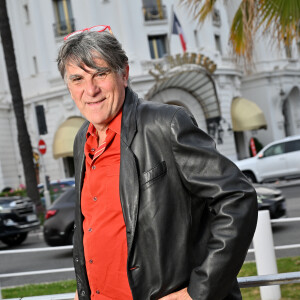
92, 88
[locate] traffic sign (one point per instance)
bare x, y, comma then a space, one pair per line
42, 146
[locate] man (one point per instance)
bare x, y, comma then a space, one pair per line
160, 213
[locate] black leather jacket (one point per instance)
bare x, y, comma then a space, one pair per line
190, 214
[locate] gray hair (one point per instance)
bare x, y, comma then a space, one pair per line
83, 48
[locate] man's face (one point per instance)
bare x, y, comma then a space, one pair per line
99, 94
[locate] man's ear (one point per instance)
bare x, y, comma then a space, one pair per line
126, 75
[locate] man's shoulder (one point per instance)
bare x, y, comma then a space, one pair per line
157, 109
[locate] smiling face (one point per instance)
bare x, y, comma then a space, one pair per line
98, 93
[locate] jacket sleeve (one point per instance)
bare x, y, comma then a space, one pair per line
231, 202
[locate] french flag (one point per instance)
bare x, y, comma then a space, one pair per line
177, 29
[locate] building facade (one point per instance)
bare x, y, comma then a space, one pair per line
229, 104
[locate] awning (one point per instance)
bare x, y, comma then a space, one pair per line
65, 136
194, 80
246, 115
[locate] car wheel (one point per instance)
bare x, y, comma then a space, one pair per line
15, 240
250, 176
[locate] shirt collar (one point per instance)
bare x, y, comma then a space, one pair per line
114, 125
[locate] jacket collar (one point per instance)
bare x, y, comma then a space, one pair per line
128, 126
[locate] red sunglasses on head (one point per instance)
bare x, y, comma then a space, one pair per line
97, 28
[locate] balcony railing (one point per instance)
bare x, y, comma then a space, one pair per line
155, 13
64, 28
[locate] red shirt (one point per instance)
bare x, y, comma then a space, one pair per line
104, 241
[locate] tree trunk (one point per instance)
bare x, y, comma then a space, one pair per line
17, 100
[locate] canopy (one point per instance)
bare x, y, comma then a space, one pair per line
246, 115
196, 81
65, 136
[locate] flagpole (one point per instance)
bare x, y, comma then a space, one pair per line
170, 30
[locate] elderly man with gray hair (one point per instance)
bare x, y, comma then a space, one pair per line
160, 213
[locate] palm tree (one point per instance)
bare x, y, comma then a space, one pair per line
279, 17
17, 100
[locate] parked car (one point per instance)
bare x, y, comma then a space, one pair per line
56, 188
59, 220
271, 199
17, 218
277, 160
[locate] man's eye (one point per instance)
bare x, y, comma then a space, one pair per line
77, 79
102, 74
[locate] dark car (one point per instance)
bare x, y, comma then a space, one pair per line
56, 188
59, 224
271, 199
59, 220
17, 218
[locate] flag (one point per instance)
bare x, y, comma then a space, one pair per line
177, 29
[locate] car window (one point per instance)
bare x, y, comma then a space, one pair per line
68, 196
292, 146
274, 150
57, 189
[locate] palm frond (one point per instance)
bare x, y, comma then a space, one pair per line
243, 29
200, 8
282, 17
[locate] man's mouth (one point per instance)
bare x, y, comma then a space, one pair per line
95, 102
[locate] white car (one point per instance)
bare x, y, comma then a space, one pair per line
277, 160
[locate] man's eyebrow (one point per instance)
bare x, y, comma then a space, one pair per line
102, 69
74, 76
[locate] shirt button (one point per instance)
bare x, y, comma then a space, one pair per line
93, 149
93, 167
90, 229
95, 198
97, 292
90, 261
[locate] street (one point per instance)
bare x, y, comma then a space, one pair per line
284, 234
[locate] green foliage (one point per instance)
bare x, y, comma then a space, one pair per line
17, 192
280, 18
288, 291
284, 265
40, 289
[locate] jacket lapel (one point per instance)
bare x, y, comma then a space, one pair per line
129, 183
79, 157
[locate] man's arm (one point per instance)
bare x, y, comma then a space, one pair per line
231, 202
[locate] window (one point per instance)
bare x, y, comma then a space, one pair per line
64, 17
154, 10
274, 150
35, 65
157, 45
196, 38
216, 18
293, 146
218, 43
69, 166
26, 14
288, 49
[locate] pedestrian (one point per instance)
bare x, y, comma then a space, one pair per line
160, 213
